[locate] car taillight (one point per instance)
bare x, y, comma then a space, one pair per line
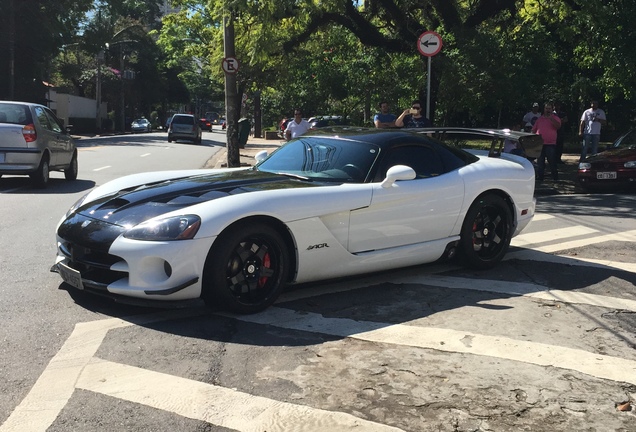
29, 133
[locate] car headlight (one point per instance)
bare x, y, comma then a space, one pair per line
173, 228
585, 165
630, 164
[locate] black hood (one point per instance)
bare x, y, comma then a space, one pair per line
129, 207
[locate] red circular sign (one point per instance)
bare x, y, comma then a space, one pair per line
429, 43
230, 65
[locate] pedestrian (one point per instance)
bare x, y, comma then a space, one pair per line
590, 129
561, 132
384, 119
530, 117
547, 126
412, 117
297, 126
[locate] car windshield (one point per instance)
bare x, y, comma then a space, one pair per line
627, 141
323, 159
180, 119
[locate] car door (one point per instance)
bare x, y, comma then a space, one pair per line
63, 141
46, 136
411, 211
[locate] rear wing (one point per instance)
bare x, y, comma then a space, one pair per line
530, 143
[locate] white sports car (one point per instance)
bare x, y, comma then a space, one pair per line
338, 202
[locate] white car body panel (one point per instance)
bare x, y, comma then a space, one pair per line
336, 230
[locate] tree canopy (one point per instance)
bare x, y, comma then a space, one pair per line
339, 56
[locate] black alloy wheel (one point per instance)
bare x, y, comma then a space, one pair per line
486, 232
246, 269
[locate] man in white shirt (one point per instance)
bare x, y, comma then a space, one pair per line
590, 129
297, 126
531, 117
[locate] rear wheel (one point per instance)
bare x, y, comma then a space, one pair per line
486, 232
70, 173
41, 176
246, 269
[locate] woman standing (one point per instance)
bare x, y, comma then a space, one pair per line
413, 118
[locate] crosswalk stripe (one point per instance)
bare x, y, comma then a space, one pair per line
447, 340
542, 216
214, 404
534, 238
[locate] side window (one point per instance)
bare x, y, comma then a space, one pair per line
54, 122
42, 118
422, 158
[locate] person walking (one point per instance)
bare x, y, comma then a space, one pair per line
590, 129
384, 119
547, 126
297, 126
413, 118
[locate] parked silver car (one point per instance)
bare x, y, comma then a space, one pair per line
184, 127
33, 141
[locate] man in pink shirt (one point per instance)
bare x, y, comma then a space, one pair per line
547, 126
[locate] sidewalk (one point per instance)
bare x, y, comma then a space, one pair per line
253, 146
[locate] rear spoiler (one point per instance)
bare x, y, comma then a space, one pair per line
530, 143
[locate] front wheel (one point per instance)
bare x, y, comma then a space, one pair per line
486, 232
246, 269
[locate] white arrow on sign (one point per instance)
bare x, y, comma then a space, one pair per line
429, 43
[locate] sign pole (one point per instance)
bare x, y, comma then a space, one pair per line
429, 44
428, 89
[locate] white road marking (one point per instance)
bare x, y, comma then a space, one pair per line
542, 216
145, 154
102, 168
532, 239
216, 405
627, 236
447, 340
533, 255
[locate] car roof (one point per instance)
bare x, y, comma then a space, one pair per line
387, 137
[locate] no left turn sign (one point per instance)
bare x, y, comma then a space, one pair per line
429, 43
230, 65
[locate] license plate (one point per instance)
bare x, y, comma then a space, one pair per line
70, 276
609, 175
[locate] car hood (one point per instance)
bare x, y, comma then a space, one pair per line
129, 207
613, 155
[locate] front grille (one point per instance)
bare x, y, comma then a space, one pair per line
94, 265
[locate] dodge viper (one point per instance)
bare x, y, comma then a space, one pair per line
332, 203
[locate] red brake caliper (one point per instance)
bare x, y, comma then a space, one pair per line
266, 263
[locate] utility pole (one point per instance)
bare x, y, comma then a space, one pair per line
11, 50
231, 99
98, 92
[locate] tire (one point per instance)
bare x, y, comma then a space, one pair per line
41, 176
169, 139
70, 173
246, 269
486, 232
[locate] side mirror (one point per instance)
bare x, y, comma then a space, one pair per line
261, 155
69, 129
397, 172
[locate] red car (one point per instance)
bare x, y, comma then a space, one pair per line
613, 168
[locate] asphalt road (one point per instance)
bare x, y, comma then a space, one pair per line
543, 342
